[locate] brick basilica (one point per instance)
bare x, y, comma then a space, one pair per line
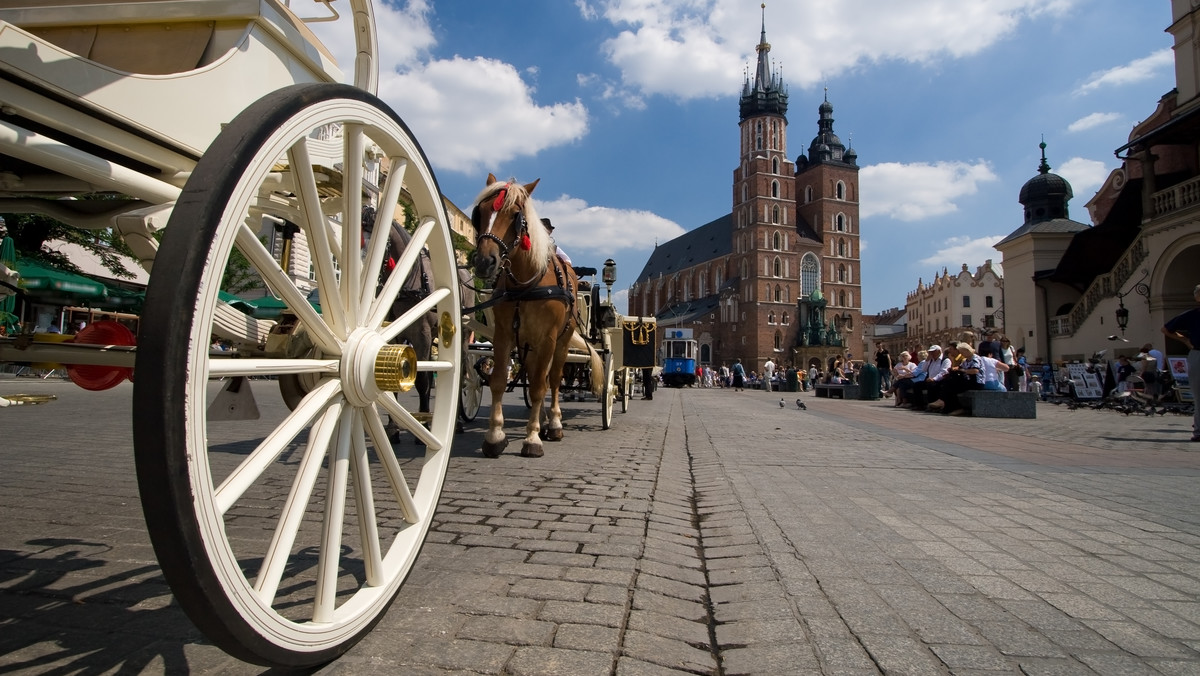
779, 274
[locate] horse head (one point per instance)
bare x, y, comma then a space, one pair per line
509, 236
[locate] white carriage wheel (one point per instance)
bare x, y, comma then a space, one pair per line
609, 394
286, 540
471, 395
626, 388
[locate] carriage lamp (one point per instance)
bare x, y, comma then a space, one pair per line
1122, 316
609, 276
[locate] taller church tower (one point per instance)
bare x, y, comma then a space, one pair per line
764, 205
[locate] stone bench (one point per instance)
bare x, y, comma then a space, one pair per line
994, 404
842, 391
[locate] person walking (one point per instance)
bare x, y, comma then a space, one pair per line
883, 362
768, 374
739, 376
1185, 328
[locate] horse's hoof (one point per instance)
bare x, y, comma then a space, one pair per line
493, 450
554, 435
530, 450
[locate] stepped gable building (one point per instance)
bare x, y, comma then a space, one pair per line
777, 277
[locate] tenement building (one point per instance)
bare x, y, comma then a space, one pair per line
778, 276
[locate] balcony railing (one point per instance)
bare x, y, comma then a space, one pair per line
1179, 196
1103, 287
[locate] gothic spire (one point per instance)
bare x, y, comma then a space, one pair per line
766, 95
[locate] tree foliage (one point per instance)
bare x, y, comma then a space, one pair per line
31, 232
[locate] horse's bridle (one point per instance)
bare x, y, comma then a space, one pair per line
520, 230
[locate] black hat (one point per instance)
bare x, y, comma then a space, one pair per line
546, 222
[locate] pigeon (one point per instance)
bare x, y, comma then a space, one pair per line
800, 405
781, 402
1120, 338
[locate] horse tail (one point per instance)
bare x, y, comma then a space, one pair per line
597, 364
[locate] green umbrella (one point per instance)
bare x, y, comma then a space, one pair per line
53, 286
267, 307
8, 303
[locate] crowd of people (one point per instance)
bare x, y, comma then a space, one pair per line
934, 379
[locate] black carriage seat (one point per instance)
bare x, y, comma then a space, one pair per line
153, 37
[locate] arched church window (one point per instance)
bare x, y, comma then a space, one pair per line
770, 317
810, 275
777, 267
785, 318
778, 340
774, 188
775, 241
744, 269
778, 294
744, 192
840, 190
808, 194
842, 298
839, 223
841, 247
758, 136
842, 273
775, 165
775, 213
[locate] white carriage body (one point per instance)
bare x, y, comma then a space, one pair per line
152, 80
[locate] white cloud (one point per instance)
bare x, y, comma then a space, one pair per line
501, 120
911, 192
972, 251
697, 48
579, 227
1091, 121
1085, 176
468, 113
1134, 71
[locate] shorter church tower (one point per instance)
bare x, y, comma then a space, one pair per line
827, 211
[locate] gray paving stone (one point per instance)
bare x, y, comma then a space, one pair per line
540, 661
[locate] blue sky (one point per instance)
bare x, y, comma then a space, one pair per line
627, 110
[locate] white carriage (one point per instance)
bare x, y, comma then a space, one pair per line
192, 128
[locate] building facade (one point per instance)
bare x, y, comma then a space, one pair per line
739, 280
1069, 289
942, 310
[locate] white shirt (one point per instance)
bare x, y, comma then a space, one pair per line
937, 368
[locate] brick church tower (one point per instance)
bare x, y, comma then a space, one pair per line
764, 217
777, 277
827, 215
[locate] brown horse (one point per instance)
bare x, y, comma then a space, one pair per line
534, 308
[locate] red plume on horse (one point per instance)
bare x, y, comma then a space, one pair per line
533, 305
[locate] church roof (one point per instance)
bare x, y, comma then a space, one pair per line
689, 310
707, 242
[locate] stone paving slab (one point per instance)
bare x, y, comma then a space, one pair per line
708, 532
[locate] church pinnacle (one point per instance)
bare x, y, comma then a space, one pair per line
766, 95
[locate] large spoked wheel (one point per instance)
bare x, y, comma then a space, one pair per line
608, 396
286, 538
471, 395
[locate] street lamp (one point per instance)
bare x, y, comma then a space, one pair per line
609, 276
1142, 289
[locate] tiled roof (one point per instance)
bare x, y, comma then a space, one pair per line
707, 242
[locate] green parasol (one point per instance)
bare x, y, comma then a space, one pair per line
8, 302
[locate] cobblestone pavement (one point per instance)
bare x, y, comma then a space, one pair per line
708, 532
